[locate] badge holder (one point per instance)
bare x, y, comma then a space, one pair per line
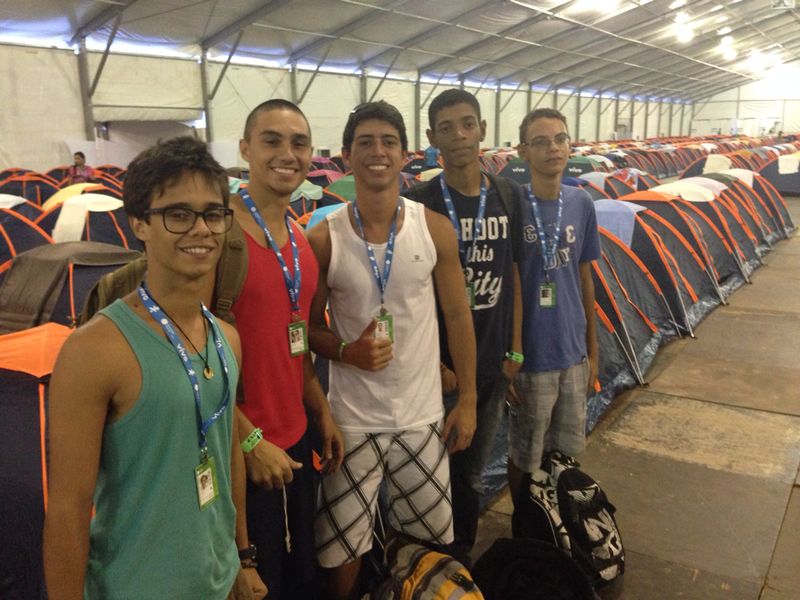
385, 327
205, 476
547, 295
471, 294
298, 338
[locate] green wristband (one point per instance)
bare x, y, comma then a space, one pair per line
517, 357
252, 440
342, 346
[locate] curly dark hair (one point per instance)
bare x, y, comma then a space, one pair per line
155, 169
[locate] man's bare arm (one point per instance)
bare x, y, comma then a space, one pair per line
587, 299
81, 390
460, 424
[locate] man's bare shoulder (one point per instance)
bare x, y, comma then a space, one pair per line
97, 352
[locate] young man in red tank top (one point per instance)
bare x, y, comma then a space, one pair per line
280, 384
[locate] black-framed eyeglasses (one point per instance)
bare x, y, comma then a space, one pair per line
178, 219
542, 143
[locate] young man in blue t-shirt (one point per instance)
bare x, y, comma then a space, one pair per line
558, 328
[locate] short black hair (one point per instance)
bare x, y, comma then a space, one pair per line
450, 98
380, 110
539, 113
274, 104
79, 153
159, 167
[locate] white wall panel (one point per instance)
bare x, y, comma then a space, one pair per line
242, 89
41, 108
487, 98
145, 88
588, 118
327, 105
512, 114
638, 120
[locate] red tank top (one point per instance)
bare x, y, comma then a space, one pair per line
273, 380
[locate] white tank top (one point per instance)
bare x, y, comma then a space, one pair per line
408, 393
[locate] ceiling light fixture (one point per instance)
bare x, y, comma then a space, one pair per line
724, 31
677, 4
684, 35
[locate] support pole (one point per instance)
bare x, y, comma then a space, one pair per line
293, 81
417, 111
578, 117
497, 116
646, 116
206, 99
86, 100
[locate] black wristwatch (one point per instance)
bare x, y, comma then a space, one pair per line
248, 553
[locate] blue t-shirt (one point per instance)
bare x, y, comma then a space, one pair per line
554, 338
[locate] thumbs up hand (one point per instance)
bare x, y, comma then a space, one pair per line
367, 352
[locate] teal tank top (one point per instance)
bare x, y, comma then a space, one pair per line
149, 539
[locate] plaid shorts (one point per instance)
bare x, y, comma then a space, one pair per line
415, 467
552, 415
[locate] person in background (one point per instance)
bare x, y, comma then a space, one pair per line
80, 172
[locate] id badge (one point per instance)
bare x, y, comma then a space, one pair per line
471, 294
298, 338
385, 328
205, 476
547, 295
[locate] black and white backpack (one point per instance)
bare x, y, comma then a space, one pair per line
567, 507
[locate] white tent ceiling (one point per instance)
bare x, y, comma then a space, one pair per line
631, 49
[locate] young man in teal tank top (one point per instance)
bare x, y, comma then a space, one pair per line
141, 412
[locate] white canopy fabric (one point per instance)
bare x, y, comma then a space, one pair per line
72, 218
687, 190
789, 163
741, 174
715, 163
717, 187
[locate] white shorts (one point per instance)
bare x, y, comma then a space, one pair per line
415, 466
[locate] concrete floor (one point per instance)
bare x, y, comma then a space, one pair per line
702, 464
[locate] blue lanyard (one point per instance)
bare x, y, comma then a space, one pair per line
161, 318
293, 284
382, 279
478, 223
550, 246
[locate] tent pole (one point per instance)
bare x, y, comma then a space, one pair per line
86, 99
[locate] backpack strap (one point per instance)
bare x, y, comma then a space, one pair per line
112, 286
231, 273
506, 193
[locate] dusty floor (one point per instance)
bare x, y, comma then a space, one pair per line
702, 464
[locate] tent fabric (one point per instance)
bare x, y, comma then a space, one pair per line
50, 283
783, 173
618, 217
33, 187
26, 361
18, 234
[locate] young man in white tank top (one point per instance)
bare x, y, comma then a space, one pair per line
379, 260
